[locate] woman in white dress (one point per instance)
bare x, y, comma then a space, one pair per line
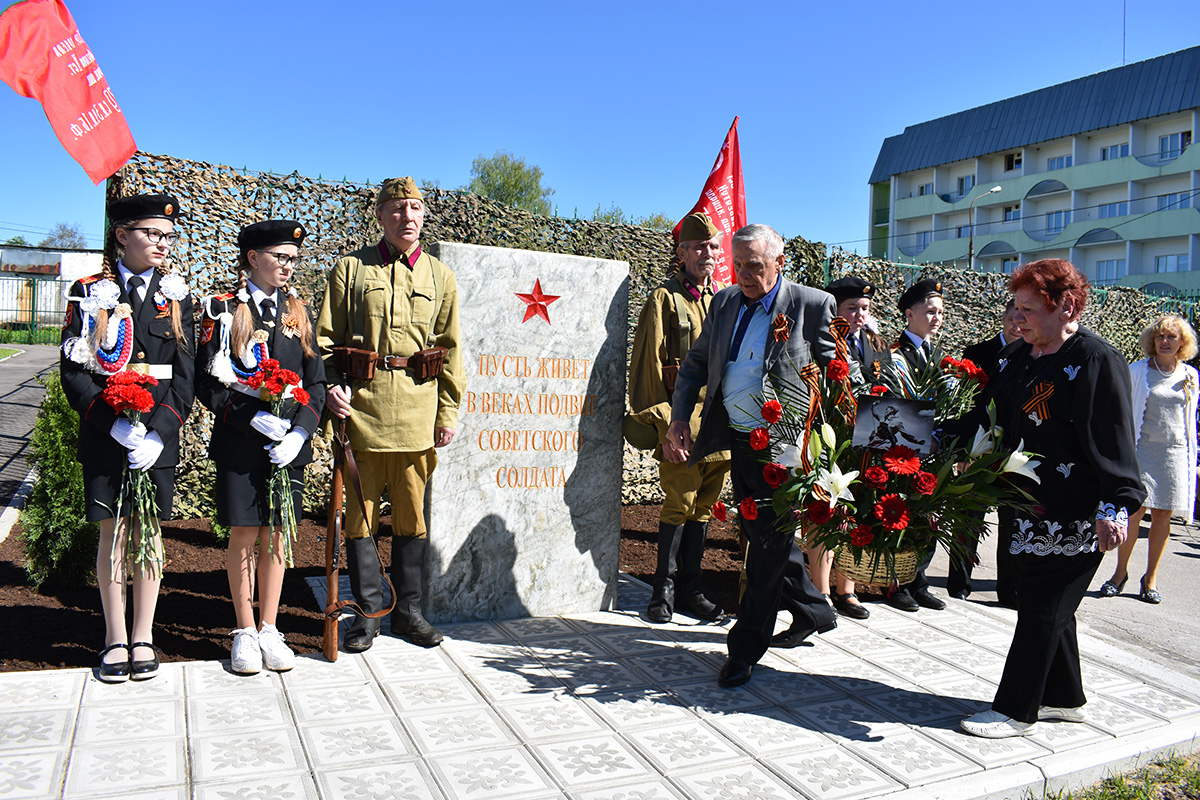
1164, 415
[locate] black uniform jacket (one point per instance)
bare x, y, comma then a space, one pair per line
234, 443
153, 343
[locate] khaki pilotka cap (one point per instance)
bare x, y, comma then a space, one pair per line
697, 227
398, 189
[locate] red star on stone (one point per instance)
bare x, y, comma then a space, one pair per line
536, 302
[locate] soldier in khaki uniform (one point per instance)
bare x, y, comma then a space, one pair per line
662, 339
393, 298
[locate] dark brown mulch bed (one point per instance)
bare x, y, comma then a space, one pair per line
62, 626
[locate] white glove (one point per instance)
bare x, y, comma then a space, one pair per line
127, 434
288, 448
146, 454
270, 425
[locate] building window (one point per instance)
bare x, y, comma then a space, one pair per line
1008, 265
1172, 145
1114, 210
1114, 151
1175, 200
1177, 262
1110, 270
1058, 162
922, 239
1057, 220
1012, 161
1012, 213
963, 231
966, 183
924, 189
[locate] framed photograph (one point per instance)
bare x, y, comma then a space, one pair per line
883, 422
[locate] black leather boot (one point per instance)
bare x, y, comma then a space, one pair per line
662, 601
408, 574
688, 597
366, 582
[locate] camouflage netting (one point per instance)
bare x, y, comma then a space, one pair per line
217, 201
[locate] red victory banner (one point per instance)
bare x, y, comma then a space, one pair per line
724, 200
42, 56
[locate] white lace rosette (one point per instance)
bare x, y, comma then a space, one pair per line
101, 295
173, 286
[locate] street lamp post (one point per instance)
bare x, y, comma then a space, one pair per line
971, 226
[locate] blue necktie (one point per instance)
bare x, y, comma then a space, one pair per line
743, 324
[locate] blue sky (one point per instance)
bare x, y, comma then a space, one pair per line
623, 102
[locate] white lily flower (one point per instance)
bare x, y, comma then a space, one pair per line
983, 443
836, 483
1021, 464
828, 435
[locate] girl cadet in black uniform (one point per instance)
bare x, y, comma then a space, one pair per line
135, 315
263, 319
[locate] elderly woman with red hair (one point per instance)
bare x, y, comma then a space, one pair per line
1063, 392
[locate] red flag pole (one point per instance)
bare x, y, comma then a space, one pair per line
724, 199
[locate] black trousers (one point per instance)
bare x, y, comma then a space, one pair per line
1007, 575
1042, 668
773, 562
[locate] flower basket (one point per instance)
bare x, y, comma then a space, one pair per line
874, 570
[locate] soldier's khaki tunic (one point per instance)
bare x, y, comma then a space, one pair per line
690, 490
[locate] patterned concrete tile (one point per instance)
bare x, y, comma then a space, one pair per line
531, 628
35, 775
769, 731
980, 661
734, 782
40, 691
36, 730
635, 642
1058, 737
868, 644
333, 703
567, 648
157, 793
409, 780
923, 637
789, 688
125, 768
149, 719
988, 753
282, 787
638, 708
209, 714
657, 788
684, 746
549, 717
215, 677
1117, 718
832, 774
973, 694
445, 691
676, 666
1099, 678
855, 677
914, 706
586, 676
1156, 701
917, 667
409, 663
706, 697
458, 729
913, 759
471, 656
246, 756
473, 632
603, 622
166, 685
315, 672
345, 744
492, 773
845, 718
503, 686
590, 760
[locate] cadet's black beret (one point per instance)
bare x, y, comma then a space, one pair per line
930, 287
270, 232
143, 206
849, 288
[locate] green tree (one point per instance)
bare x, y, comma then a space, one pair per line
65, 237
613, 216
509, 180
658, 221
616, 216
18, 241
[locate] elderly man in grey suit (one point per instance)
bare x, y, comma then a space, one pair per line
757, 335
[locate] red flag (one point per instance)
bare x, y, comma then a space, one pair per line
724, 200
42, 56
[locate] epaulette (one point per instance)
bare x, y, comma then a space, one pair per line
226, 296
91, 278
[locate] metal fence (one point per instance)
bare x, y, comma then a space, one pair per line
31, 308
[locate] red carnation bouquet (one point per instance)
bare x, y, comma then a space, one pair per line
277, 386
878, 503
126, 393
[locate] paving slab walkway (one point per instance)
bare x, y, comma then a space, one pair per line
588, 706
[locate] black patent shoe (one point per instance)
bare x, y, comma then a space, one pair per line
794, 637
146, 669
842, 604
927, 599
699, 607
113, 671
901, 600
734, 672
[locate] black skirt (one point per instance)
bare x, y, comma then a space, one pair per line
243, 496
102, 489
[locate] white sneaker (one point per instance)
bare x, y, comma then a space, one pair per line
1054, 714
275, 654
246, 658
994, 725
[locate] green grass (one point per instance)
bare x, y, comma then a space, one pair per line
5, 352
1176, 778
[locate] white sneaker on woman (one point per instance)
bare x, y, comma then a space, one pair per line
276, 655
994, 725
1054, 714
246, 658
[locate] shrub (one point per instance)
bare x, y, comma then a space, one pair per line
59, 543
